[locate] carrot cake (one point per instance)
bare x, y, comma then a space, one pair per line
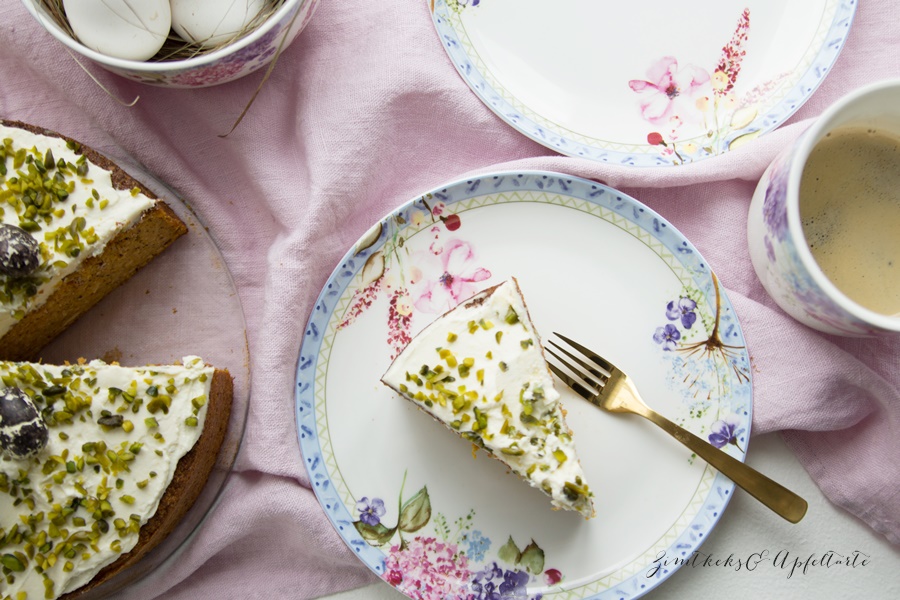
99, 464
73, 227
480, 370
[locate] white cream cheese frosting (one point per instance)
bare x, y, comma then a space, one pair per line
66, 202
115, 437
480, 370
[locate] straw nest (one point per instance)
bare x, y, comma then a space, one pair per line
175, 48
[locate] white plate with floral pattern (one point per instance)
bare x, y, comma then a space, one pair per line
643, 83
414, 501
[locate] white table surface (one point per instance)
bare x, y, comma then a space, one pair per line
748, 528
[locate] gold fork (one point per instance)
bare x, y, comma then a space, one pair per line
608, 387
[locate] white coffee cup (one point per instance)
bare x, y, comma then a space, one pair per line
779, 246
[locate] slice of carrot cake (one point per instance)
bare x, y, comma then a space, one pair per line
73, 227
480, 370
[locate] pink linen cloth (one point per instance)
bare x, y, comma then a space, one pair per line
362, 113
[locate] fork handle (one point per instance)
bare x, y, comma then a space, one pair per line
783, 501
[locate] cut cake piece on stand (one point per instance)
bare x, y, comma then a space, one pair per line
91, 225
124, 454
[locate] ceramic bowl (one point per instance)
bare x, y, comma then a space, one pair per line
222, 65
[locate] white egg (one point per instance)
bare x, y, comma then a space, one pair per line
212, 22
129, 29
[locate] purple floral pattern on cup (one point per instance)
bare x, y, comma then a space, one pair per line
776, 257
775, 202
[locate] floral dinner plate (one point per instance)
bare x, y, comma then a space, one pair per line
643, 83
437, 520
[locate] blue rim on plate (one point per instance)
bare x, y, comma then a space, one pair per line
407, 497
726, 107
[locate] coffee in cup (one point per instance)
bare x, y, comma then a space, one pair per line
850, 212
824, 222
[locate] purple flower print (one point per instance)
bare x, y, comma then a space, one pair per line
682, 309
770, 249
775, 202
725, 432
668, 336
491, 572
513, 585
370, 512
483, 586
493, 583
262, 48
214, 73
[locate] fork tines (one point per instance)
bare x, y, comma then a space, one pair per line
584, 371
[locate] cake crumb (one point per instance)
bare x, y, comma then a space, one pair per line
111, 356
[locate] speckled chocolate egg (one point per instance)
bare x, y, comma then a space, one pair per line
23, 432
20, 253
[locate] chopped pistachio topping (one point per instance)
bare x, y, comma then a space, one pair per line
51, 191
524, 427
80, 503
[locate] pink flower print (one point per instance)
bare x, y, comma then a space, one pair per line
394, 577
428, 569
362, 299
456, 280
733, 54
669, 91
399, 317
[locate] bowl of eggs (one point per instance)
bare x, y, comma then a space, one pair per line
175, 43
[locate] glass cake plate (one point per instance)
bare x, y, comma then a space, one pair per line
424, 511
650, 83
182, 303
